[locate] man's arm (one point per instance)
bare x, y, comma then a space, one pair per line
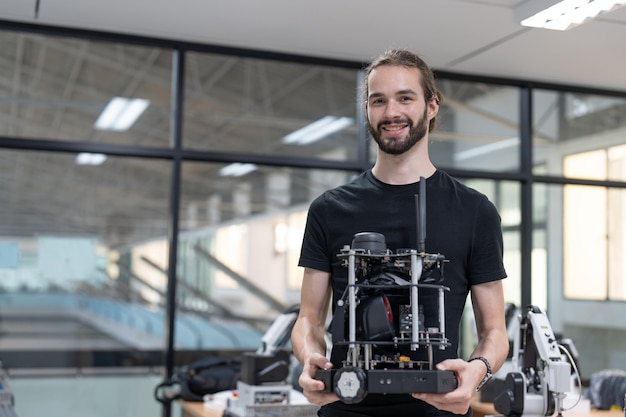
493, 345
307, 336
493, 341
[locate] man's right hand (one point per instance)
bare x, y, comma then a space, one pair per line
312, 388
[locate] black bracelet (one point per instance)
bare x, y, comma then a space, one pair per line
488, 375
483, 360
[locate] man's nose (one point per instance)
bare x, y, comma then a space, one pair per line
392, 108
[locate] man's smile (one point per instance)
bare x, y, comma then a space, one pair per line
394, 128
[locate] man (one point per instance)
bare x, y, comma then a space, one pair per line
402, 104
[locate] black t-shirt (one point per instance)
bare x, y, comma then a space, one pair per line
461, 224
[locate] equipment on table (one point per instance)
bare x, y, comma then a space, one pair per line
263, 388
216, 374
263, 391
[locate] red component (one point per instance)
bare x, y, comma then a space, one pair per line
388, 309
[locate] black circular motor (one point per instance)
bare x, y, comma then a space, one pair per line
371, 242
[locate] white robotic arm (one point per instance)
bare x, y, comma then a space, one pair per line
541, 377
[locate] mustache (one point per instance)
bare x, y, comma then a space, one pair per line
394, 122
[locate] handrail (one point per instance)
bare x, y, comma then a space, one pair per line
241, 280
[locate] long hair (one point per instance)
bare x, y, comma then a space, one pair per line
407, 59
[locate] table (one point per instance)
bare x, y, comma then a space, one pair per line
481, 409
197, 409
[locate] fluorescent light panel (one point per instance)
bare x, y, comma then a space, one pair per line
563, 15
121, 113
237, 169
86, 158
318, 130
485, 149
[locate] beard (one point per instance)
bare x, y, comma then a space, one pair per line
398, 146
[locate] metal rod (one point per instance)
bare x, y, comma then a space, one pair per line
420, 203
442, 316
352, 305
416, 272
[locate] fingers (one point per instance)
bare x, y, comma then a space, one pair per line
312, 388
320, 361
308, 382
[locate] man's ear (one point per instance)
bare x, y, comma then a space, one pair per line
433, 107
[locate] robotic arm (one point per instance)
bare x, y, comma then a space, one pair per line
541, 377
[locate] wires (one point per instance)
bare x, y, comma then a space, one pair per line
563, 349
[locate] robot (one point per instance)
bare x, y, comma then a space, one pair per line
381, 322
541, 377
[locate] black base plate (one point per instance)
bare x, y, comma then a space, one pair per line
397, 381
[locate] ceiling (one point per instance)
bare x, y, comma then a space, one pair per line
469, 36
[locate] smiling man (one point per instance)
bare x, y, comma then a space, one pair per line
402, 103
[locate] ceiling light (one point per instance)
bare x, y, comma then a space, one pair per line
562, 15
237, 169
121, 113
317, 130
86, 158
485, 149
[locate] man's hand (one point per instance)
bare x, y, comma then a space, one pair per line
312, 388
458, 401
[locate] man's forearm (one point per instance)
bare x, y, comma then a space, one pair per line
307, 340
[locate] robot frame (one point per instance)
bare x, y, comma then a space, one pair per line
380, 320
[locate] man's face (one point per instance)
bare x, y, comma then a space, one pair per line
396, 111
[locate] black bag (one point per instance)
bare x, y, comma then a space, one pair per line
607, 388
204, 376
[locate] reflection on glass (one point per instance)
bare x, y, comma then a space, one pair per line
616, 262
81, 260
584, 242
587, 225
240, 242
246, 105
569, 124
542, 252
57, 88
505, 196
478, 127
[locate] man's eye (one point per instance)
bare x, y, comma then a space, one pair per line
405, 99
378, 101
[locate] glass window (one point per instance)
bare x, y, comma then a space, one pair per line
478, 127
73, 292
541, 249
505, 195
584, 239
239, 248
245, 105
584, 236
571, 126
57, 88
594, 236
